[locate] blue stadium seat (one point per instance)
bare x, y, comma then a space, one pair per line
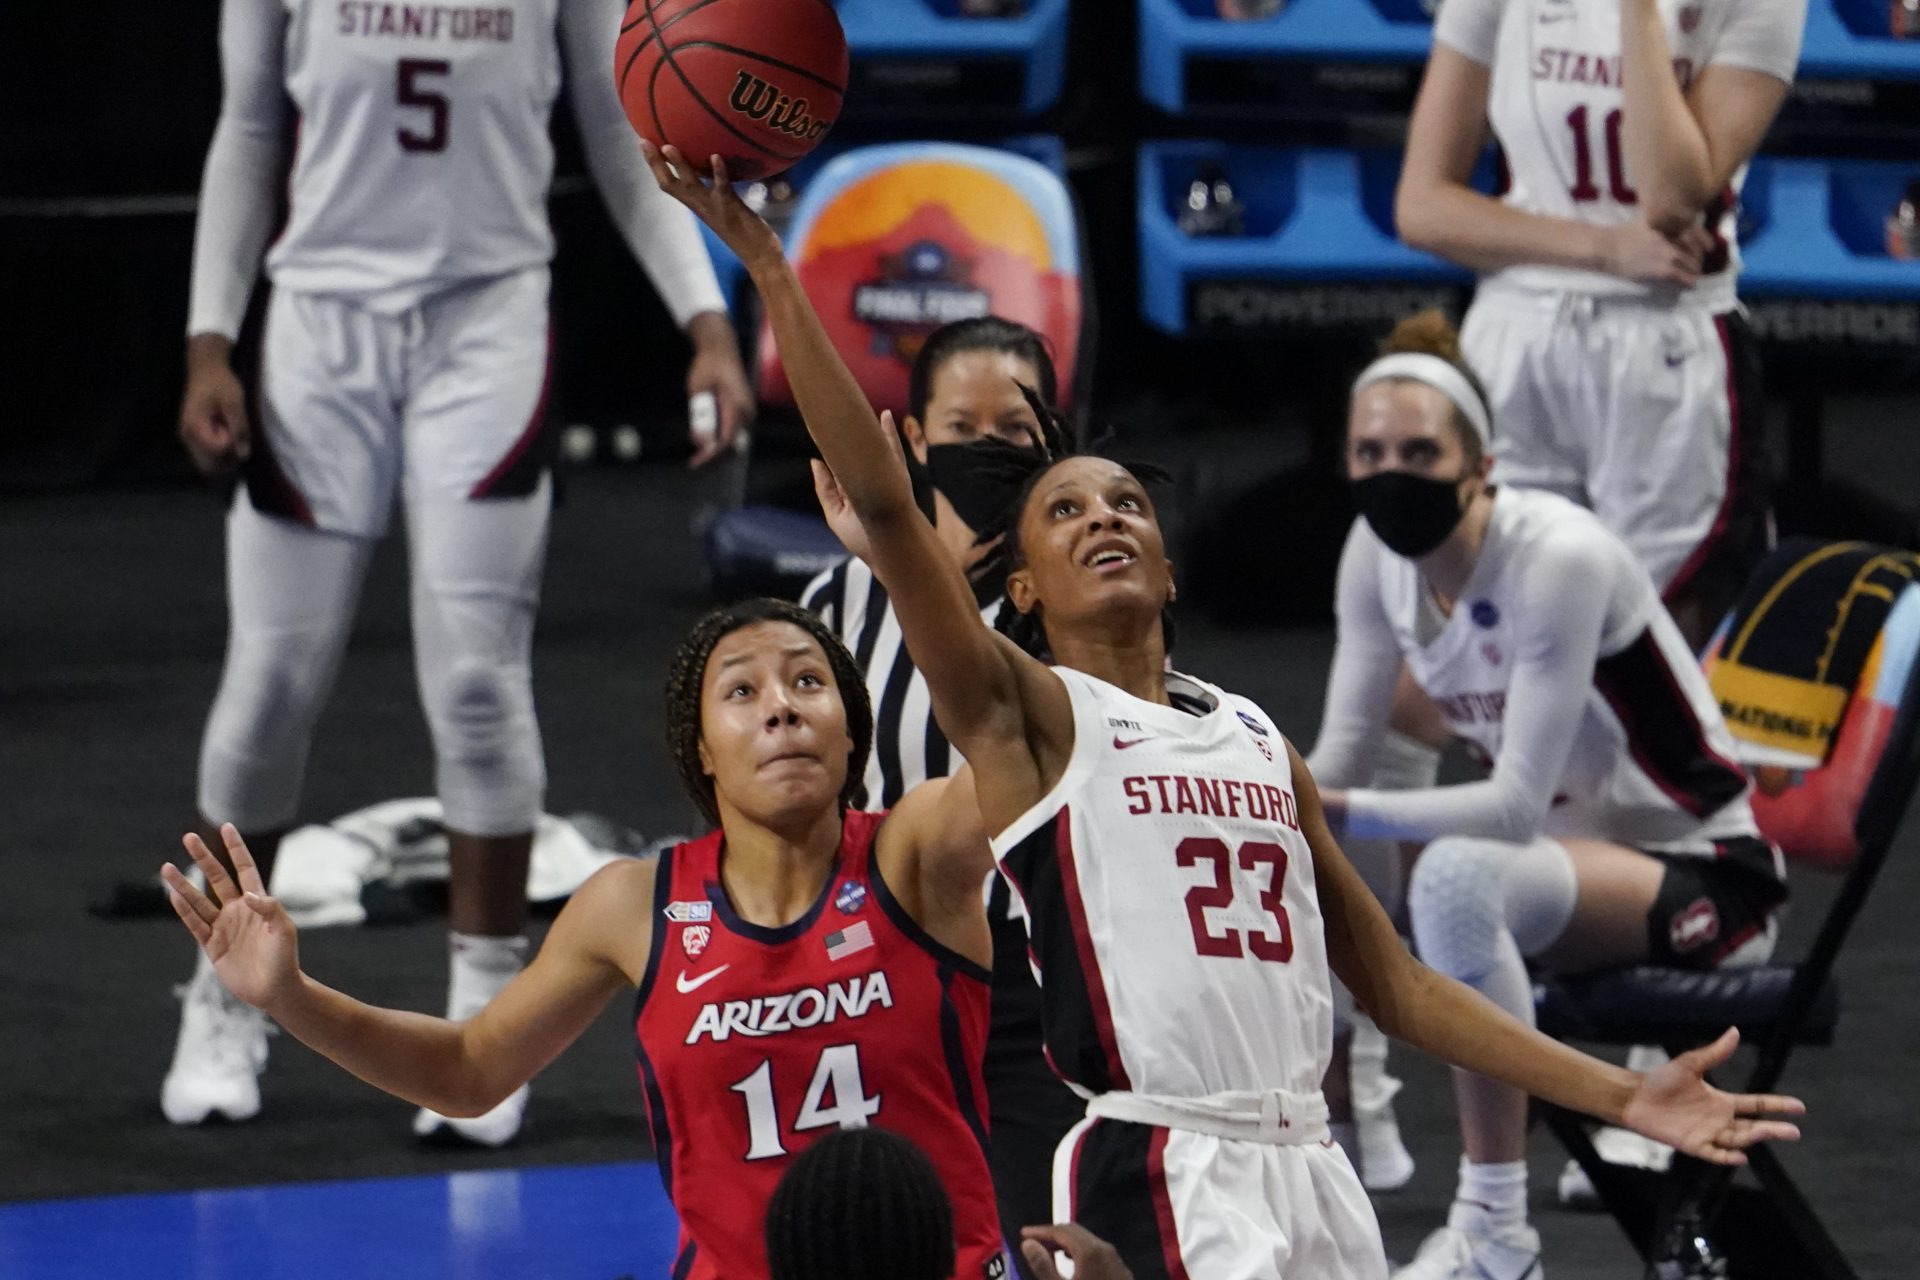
1817, 228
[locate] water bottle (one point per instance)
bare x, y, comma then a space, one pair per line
1903, 225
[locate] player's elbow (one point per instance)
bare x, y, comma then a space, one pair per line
1413, 216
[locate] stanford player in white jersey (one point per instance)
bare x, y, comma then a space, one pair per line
407, 352
1613, 827
1606, 324
1186, 900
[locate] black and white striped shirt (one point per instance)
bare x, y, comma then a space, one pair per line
908, 747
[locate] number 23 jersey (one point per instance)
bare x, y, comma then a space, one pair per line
1170, 900
421, 156
755, 1041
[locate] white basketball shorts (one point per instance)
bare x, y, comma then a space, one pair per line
1180, 1205
1647, 413
447, 398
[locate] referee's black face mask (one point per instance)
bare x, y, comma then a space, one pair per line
976, 479
1411, 513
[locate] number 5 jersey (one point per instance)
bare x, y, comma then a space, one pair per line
755, 1041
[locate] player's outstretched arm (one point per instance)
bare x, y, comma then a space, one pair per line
996, 704
1456, 1024
455, 1068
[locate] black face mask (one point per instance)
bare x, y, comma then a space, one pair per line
977, 481
1411, 514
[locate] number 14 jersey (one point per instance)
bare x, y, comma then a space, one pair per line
1170, 900
755, 1041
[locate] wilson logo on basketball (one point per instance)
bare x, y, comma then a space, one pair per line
768, 105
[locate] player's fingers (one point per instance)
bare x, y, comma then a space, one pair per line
1039, 1260
243, 864
202, 931
1768, 1104
184, 895
825, 487
718, 167
1708, 1056
1745, 1133
220, 885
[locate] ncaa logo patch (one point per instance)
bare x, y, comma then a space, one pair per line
689, 912
1485, 613
1252, 723
1694, 925
694, 939
852, 896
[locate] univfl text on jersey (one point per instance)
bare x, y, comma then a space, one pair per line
767, 104
1213, 797
792, 1010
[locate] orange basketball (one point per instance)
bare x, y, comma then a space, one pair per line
756, 82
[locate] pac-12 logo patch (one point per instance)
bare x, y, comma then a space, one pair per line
1486, 613
694, 939
689, 912
852, 896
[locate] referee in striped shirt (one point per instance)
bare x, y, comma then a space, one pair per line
964, 388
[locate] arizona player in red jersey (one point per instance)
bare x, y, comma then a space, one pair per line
803, 968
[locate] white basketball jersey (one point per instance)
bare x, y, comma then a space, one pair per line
1170, 900
422, 157
1556, 108
1652, 764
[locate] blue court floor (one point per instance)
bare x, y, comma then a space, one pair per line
597, 1222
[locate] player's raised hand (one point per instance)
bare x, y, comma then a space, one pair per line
1092, 1257
714, 201
1637, 251
1675, 1105
246, 934
839, 512
213, 411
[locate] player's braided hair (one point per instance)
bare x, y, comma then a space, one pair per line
1429, 332
860, 1204
1059, 440
688, 672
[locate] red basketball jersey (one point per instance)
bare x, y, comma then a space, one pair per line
754, 1041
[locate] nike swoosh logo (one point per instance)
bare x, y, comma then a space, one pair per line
701, 981
1121, 744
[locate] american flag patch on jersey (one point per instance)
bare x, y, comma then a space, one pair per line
846, 942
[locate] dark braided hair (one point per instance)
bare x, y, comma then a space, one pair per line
1059, 440
860, 1204
688, 672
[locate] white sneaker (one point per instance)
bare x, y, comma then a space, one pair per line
1453, 1254
1615, 1146
494, 1128
218, 1056
1385, 1162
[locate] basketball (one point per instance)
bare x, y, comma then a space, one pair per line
756, 82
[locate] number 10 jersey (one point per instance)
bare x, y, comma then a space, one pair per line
1170, 900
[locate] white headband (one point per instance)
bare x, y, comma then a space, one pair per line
1438, 374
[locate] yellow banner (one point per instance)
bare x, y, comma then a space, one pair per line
1778, 711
